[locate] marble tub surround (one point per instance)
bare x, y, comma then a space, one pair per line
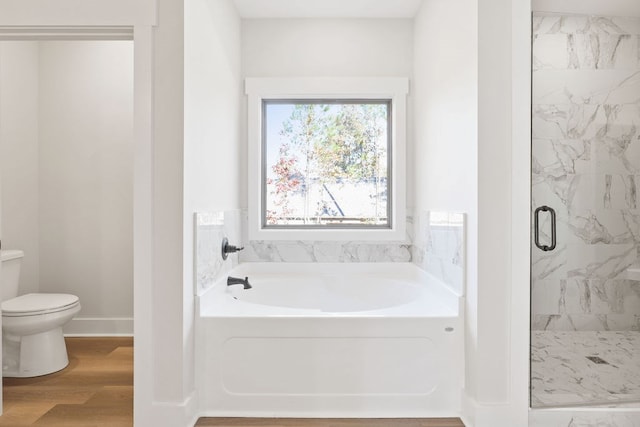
586, 166
325, 251
210, 228
584, 368
316, 251
438, 248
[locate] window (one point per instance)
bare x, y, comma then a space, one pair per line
326, 163
326, 159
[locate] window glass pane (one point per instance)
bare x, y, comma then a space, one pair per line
326, 163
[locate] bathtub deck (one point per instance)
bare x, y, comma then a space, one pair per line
335, 422
432, 297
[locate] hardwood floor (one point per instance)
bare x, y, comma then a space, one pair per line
303, 422
95, 390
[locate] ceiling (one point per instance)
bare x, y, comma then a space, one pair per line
327, 8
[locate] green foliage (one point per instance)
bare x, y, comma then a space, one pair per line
328, 144
345, 141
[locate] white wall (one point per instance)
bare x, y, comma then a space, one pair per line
213, 91
446, 131
494, 203
445, 113
212, 95
327, 48
86, 167
463, 136
520, 224
19, 155
75, 163
171, 351
501, 358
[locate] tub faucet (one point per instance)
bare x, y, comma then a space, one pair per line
238, 281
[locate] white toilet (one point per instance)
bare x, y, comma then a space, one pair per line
32, 340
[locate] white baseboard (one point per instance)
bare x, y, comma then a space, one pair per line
99, 326
468, 415
500, 414
168, 414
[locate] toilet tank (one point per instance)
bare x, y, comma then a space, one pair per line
10, 274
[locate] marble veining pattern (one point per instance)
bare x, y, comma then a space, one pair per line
562, 374
320, 251
434, 242
438, 248
586, 165
582, 24
326, 251
209, 229
591, 42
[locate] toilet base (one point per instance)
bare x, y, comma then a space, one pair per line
33, 355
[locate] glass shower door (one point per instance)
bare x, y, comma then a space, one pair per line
586, 214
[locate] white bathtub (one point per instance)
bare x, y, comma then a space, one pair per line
330, 340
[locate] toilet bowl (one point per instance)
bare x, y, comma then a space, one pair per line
32, 339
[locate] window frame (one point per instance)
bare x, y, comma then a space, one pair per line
392, 89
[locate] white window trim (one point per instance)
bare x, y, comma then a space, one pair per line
394, 88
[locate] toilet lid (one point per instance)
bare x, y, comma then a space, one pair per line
31, 304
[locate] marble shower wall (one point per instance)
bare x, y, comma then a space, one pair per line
210, 228
438, 247
586, 165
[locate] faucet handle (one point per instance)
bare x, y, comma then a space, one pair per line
229, 249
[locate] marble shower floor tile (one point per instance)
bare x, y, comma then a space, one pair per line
584, 368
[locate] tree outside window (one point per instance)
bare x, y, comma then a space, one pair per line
326, 162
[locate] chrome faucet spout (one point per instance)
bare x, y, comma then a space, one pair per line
238, 281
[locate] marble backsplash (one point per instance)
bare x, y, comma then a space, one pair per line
323, 251
320, 251
434, 242
210, 228
586, 165
438, 246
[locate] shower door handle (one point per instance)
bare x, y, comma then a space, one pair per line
536, 229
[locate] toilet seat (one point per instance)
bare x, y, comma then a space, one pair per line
38, 304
